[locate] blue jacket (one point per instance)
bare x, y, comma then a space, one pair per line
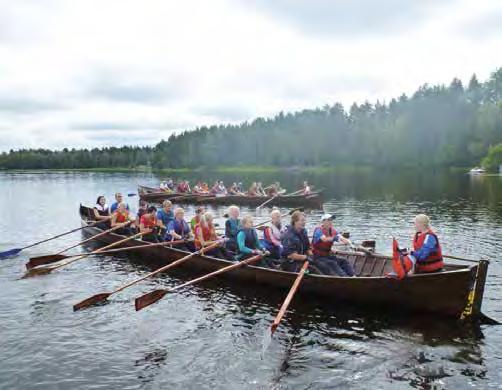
295, 241
247, 241
181, 228
165, 217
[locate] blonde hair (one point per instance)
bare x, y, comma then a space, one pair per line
179, 210
246, 218
206, 219
275, 212
423, 219
167, 203
295, 217
233, 208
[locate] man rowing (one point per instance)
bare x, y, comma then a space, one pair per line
164, 216
324, 237
232, 226
178, 229
119, 198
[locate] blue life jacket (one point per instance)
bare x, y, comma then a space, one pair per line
180, 227
251, 238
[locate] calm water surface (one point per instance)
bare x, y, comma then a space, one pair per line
211, 336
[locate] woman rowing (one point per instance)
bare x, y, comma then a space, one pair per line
121, 216
232, 226
102, 213
205, 234
196, 219
249, 245
148, 224
272, 235
178, 229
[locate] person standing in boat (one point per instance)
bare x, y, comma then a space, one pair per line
102, 213
232, 226
118, 199
272, 235
164, 216
296, 244
205, 234
324, 237
120, 216
178, 229
148, 223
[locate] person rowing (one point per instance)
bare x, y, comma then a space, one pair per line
323, 238
296, 244
253, 191
102, 213
205, 234
222, 190
234, 190
147, 222
196, 219
184, 187
272, 235
249, 245
426, 255
120, 216
306, 190
275, 189
232, 226
119, 198
164, 216
259, 189
178, 229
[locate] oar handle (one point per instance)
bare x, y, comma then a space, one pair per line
267, 201
162, 269
289, 297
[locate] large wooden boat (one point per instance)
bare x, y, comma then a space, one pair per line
445, 293
154, 195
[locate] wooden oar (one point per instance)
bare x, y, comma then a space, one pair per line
156, 295
104, 296
48, 270
267, 201
49, 259
461, 258
289, 298
15, 251
282, 216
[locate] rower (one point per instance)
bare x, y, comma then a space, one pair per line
164, 216
306, 188
426, 255
222, 190
205, 234
118, 199
296, 244
253, 190
196, 219
233, 190
148, 221
178, 229
248, 244
120, 216
259, 189
272, 235
102, 213
215, 188
232, 226
322, 241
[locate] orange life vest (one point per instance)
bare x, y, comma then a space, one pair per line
121, 218
434, 262
148, 221
208, 234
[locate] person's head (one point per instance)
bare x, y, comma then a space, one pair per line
118, 197
166, 205
234, 212
298, 220
152, 210
422, 223
179, 213
275, 216
206, 219
121, 207
247, 221
305, 183
327, 221
143, 204
101, 200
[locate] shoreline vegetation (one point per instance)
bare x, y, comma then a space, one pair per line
436, 128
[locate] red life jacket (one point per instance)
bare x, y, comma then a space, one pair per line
323, 248
401, 264
148, 221
434, 262
121, 218
208, 234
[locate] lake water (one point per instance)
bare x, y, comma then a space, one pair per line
211, 336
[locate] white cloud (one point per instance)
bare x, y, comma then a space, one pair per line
91, 73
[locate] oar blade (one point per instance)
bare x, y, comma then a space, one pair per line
91, 301
148, 299
9, 253
41, 260
37, 272
265, 345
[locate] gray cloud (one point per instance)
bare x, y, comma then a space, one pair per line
348, 18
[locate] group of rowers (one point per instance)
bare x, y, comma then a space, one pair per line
219, 188
282, 248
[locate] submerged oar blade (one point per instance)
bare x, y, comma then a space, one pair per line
41, 260
9, 253
148, 299
37, 272
267, 340
91, 301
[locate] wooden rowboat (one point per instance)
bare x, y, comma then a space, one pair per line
153, 195
444, 293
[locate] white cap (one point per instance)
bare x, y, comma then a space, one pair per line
326, 217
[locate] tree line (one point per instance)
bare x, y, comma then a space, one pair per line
438, 125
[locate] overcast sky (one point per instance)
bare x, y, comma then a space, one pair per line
84, 73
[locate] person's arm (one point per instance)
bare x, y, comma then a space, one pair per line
99, 217
142, 227
172, 232
270, 237
427, 248
160, 223
114, 220
241, 243
258, 243
290, 251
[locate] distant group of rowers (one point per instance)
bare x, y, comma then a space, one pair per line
219, 188
282, 248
